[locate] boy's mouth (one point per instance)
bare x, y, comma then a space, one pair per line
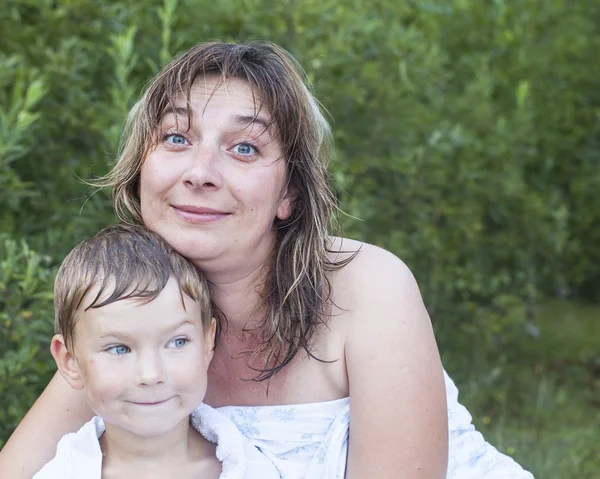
150, 403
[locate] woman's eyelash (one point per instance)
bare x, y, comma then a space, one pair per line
249, 143
165, 135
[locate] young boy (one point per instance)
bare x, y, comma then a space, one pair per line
135, 331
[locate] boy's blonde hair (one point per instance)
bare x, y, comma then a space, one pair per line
122, 262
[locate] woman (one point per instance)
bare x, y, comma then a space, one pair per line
224, 156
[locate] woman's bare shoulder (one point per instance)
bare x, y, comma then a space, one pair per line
393, 367
375, 287
366, 268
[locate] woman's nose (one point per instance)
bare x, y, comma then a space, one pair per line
203, 170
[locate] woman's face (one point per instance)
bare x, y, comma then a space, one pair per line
213, 189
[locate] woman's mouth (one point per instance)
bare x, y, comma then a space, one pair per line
198, 214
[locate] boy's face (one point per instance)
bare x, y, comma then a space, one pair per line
143, 365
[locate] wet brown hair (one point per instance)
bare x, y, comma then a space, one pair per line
122, 262
295, 290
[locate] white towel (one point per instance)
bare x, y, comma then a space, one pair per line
78, 454
309, 441
239, 458
471, 457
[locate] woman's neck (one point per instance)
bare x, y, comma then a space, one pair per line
238, 292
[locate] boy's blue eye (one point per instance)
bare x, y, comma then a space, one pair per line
179, 342
119, 350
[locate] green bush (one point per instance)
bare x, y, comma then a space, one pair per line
467, 133
26, 326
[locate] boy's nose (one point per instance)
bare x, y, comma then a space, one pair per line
150, 370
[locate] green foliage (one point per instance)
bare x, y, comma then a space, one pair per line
538, 400
467, 142
25, 330
479, 144
20, 91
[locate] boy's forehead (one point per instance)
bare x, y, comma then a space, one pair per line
170, 308
137, 319
108, 289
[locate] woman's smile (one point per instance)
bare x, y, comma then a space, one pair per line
198, 214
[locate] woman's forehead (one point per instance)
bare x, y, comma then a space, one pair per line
212, 91
232, 101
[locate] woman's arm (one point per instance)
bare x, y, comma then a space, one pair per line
58, 411
398, 415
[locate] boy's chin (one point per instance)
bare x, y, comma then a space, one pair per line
149, 428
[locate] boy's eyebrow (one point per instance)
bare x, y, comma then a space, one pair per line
115, 335
181, 323
128, 335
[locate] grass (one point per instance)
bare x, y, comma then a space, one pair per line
540, 402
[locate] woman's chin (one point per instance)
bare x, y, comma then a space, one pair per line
197, 250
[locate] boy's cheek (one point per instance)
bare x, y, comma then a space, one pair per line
191, 374
104, 378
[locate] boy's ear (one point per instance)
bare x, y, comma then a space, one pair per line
66, 362
209, 340
287, 203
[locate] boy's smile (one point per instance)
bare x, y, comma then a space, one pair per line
151, 403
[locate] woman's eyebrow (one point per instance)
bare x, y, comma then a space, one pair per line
175, 110
249, 121
242, 120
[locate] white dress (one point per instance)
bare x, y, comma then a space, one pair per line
78, 455
310, 441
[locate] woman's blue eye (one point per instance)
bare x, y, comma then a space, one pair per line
119, 350
179, 342
245, 149
175, 139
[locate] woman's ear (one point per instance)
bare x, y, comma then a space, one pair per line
209, 341
66, 362
287, 203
